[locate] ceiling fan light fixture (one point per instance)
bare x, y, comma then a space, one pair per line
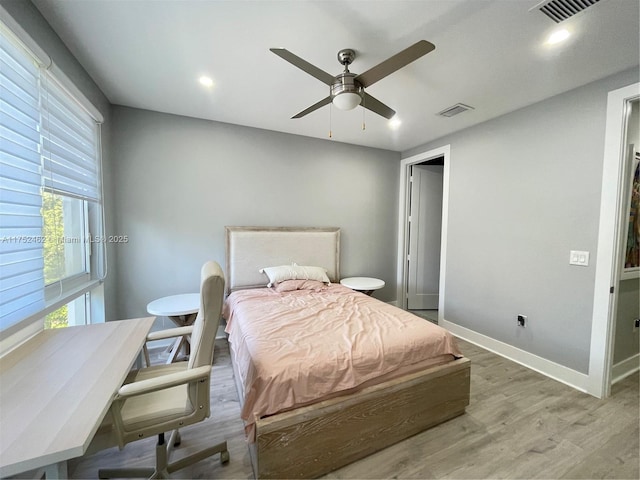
347, 100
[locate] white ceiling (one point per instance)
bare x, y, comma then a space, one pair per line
490, 54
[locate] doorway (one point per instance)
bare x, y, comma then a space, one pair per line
626, 341
422, 233
609, 265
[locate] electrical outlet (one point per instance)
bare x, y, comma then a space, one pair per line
522, 320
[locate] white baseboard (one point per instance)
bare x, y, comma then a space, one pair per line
625, 368
566, 375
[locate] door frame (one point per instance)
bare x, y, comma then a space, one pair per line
607, 273
403, 247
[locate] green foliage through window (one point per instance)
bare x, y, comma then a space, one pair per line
53, 230
57, 319
53, 253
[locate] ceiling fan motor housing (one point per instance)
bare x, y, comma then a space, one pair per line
346, 82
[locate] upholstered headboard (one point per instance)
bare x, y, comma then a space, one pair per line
251, 248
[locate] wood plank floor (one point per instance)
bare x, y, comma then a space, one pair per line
519, 424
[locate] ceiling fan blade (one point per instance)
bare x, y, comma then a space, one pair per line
376, 106
391, 64
315, 106
303, 65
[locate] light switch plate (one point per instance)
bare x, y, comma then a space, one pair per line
578, 257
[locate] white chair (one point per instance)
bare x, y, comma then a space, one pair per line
164, 398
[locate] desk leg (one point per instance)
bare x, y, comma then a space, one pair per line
56, 470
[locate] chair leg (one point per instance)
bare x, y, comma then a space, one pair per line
175, 439
160, 471
220, 448
163, 467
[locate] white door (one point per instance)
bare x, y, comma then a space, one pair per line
425, 230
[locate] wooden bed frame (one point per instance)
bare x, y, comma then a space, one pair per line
310, 441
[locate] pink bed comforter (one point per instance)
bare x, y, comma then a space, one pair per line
294, 348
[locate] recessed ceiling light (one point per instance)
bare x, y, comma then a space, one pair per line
395, 123
558, 36
206, 81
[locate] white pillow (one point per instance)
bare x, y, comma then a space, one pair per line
294, 285
295, 272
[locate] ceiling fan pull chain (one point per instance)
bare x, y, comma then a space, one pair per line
330, 110
363, 110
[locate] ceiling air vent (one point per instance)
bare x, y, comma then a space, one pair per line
455, 110
560, 10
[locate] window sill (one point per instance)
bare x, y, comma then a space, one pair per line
70, 294
51, 306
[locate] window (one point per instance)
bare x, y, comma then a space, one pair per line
50, 201
76, 312
65, 240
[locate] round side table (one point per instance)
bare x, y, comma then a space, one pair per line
365, 285
182, 310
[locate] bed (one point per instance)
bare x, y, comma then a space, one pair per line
330, 418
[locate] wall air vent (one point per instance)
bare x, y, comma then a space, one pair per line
560, 10
455, 110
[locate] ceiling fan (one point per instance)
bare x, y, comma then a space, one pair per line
346, 88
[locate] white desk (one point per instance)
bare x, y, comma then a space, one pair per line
182, 310
56, 388
363, 284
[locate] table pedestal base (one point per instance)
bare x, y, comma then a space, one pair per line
180, 342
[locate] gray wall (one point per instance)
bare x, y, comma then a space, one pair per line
181, 180
524, 191
29, 18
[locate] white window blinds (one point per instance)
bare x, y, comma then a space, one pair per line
21, 245
50, 141
69, 145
